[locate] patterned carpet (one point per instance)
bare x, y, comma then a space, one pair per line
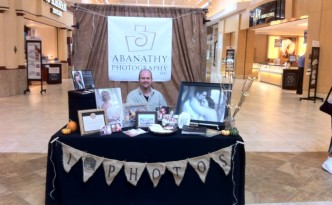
283, 178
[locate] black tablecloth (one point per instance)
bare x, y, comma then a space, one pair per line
68, 188
79, 101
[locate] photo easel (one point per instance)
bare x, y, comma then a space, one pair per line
34, 64
313, 79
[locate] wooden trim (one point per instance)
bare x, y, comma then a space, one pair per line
3, 8
20, 11
19, 67
63, 61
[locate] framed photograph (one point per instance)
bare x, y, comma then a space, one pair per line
91, 121
110, 100
163, 110
278, 43
145, 119
83, 79
292, 58
130, 113
205, 102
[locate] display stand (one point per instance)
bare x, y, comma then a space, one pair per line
34, 64
313, 79
230, 56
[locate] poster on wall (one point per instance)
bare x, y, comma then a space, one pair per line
287, 49
139, 43
34, 59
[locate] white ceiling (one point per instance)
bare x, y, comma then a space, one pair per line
296, 27
293, 28
172, 3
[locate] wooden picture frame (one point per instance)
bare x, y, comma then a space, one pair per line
129, 112
146, 119
91, 121
211, 109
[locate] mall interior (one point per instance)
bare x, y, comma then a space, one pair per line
285, 134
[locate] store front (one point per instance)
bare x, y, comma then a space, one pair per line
278, 47
269, 41
278, 63
48, 22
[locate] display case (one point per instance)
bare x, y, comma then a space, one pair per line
52, 73
278, 75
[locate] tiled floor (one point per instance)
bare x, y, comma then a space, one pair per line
285, 139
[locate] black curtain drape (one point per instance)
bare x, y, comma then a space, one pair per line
188, 45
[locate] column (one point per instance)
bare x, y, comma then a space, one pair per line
20, 41
10, 33
2, 41
62, 44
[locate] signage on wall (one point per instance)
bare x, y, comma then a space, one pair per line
271, 11
59, 6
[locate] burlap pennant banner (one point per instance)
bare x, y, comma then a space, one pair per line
133, 171
156, 170
201, 165
223, 158
70, 156
90, 165
178, 168
112, 168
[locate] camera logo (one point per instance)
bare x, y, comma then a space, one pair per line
141, 40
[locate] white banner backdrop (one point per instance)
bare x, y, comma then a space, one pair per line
136, 43
134, 170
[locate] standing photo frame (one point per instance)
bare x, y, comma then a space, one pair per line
146, 119
205, 102
110, 100
91, 121
83, 79
130, 111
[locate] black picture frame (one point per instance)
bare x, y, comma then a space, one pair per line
86, 78
211, 115
145, 119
